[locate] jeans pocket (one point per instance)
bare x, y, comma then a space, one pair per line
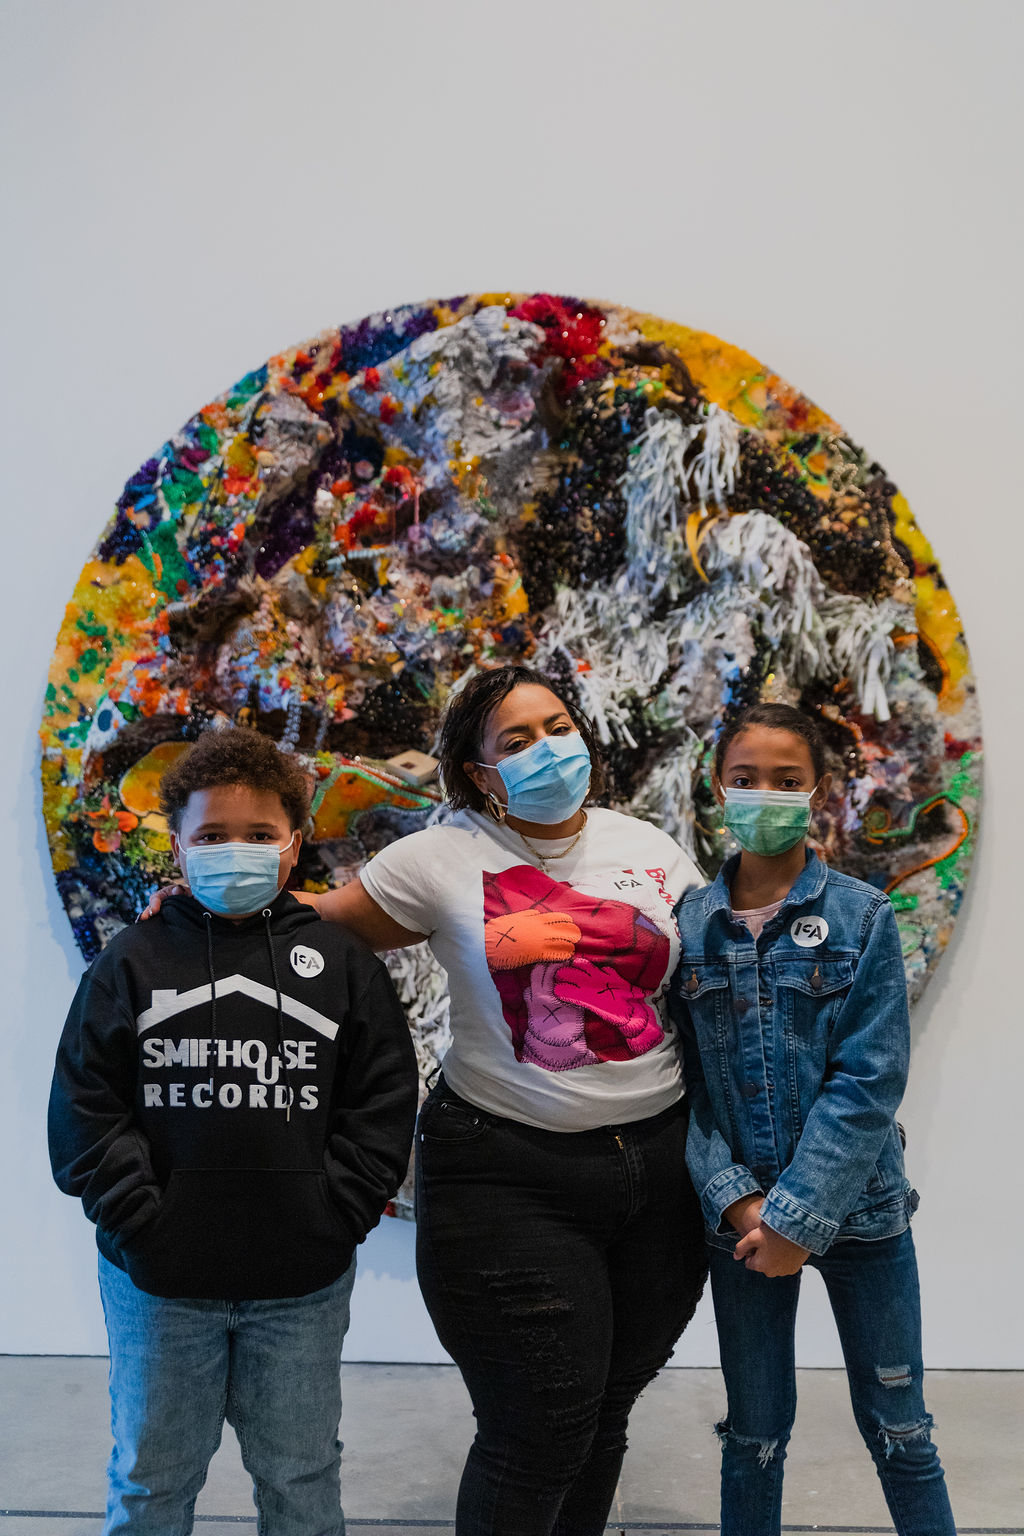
451, 1120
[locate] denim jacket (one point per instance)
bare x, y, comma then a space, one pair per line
796, 1049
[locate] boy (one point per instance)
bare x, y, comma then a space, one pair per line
233, 1101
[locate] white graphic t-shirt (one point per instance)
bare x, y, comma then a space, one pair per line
557, 974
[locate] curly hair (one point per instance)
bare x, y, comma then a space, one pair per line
465, 719
235, 756
774, 717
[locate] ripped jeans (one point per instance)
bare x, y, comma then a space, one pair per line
873, 1291
559, 1269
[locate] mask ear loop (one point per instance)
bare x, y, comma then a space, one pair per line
811, 835
492, 805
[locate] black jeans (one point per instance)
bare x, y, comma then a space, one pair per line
559, 1270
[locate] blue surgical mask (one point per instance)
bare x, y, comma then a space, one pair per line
547, 782
234, 879
767, 821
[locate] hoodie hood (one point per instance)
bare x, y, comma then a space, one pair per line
286, 914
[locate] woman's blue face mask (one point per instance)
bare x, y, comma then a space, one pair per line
548, 781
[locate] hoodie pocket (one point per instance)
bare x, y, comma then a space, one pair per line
241, 1234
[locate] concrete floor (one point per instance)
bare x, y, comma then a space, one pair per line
406, 1429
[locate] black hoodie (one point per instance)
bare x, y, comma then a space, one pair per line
233, 1102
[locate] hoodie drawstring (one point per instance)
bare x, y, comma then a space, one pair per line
280, 1015
213, 1003
267, 914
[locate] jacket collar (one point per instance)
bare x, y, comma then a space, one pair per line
808, 886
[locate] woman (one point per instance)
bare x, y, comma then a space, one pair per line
559, 1242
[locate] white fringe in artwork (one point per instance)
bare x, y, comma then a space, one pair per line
860, 637
655, 488
613, 651
767, 560
666, 796
713, 471
663, 482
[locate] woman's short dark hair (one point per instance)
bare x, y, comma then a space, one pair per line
465, 719
235, 756
774, 717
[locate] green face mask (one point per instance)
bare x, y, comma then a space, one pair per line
767, 821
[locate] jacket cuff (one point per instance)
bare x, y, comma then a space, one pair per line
730, 1184
782, 1213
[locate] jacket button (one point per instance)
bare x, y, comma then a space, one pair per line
741, 1005
692, 983
750, 1090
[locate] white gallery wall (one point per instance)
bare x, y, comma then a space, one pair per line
192, 185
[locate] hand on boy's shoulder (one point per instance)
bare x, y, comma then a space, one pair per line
156, 901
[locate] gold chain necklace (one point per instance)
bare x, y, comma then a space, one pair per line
548, 858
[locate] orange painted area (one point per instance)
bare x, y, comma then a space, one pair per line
509, 599
140, 786
696, 527
358, 788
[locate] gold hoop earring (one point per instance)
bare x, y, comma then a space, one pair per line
495, 810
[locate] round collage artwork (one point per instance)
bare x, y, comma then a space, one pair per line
641, 510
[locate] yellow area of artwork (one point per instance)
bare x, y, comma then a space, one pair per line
938, 621
731, 378
58, 802
356, 789
118, 599
140, 786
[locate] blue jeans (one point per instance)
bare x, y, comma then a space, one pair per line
873, 1291
559, 1270
179, 1368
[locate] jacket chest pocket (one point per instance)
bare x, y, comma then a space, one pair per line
811, 992
704, 988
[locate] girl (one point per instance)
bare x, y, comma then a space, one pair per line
791, 1001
